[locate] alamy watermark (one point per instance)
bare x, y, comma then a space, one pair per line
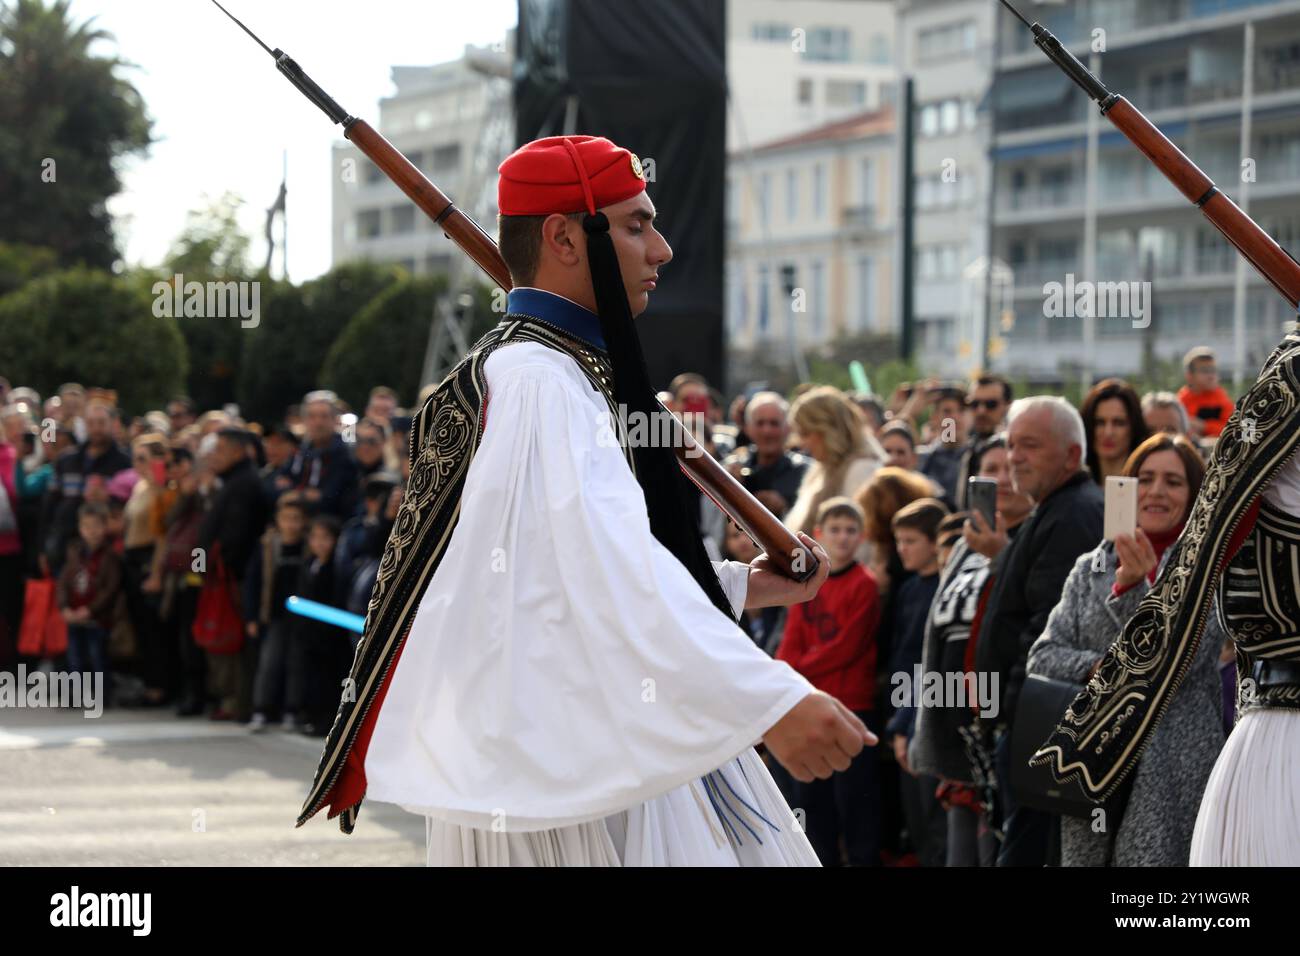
656, 429
74, 690
1103, 300
177, 299
936, 689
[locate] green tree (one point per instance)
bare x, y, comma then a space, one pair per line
385, 342
282, 357
94, 328
20, 263
66, 117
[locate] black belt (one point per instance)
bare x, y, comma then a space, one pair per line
1273, 673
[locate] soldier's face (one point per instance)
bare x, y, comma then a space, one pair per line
641, 248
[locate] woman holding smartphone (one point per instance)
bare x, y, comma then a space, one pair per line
1101, 594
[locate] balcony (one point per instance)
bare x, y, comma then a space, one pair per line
860, 221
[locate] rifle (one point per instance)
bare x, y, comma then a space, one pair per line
786, 552
1259, 248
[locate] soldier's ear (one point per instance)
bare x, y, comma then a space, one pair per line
559, 239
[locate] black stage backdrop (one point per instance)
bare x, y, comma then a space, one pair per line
651, 77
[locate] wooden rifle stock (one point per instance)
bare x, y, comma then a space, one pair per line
783, 549
1258, 248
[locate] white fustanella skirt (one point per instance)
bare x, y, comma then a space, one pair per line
1250, 814
735, 816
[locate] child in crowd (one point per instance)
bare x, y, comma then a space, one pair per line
831, 640
271, 579
763, 625
321, 653
915, 529
1208, 405
87, 594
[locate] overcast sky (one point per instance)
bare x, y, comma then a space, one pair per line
224, 116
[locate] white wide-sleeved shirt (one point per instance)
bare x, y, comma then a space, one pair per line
563, 665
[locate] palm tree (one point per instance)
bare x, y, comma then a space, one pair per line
66, 117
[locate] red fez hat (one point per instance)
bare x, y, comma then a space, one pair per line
567, 174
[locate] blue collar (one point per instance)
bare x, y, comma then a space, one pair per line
557, 310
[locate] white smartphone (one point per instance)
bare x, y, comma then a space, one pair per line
1121, 507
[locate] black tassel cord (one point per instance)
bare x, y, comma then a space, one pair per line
667, 496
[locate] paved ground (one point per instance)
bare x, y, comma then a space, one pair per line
144, 787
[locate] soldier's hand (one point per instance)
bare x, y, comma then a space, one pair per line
816, 737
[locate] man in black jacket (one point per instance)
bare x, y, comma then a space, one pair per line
235, 522
1047, 443
98, 457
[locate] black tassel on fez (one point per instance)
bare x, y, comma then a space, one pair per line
667, 497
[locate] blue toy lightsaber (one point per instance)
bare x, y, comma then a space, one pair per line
326, 614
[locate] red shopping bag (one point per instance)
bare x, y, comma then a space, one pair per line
43, 632
218, 626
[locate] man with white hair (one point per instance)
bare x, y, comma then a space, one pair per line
1048, 446
770, 471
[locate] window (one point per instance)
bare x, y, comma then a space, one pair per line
888, 94
735, 300
772, 32
764, 298
969, 116
446, 158
878, 49
829, 44
866, 294
949, 116
930, 120
867, 182
373, 174
805, 93
368, 223
792, 194
818, 294
764, 196
402, 219
846, 93
951, 40
819, 191
927, 262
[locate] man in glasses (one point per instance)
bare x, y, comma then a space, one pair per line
988, 399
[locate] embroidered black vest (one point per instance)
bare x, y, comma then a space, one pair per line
444, 436
1102, 735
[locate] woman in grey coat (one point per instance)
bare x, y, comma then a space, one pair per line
1102, 592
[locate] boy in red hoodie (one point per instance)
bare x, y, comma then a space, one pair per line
831, 640
1208, 405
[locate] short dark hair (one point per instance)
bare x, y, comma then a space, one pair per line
92, 509
951, 526
519, 239
329, 523
293, 501
238, 436
922, 515
897, 426
994, 380
840, 507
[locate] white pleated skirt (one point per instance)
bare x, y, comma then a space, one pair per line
735, 816
1250, 814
